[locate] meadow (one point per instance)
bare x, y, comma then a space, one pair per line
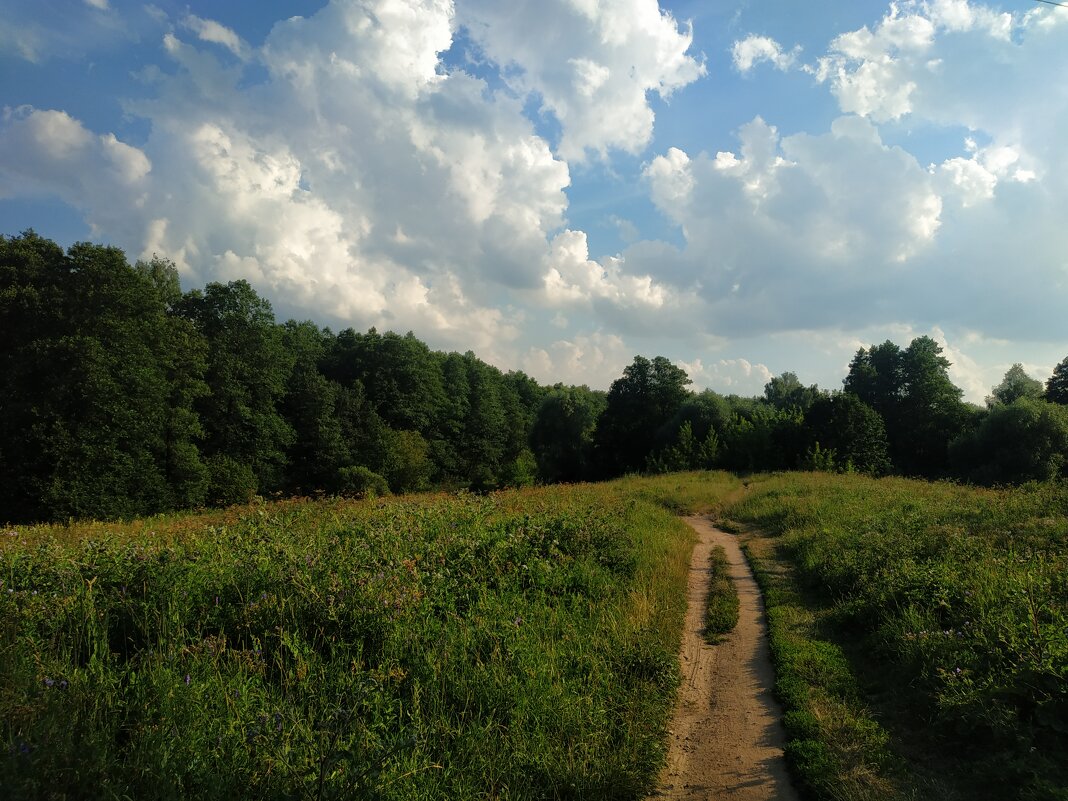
920, 632
522, 645
516, 645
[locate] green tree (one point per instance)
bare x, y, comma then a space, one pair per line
248, 367
787, 392
562, 436
310, 405
399, 374
930, 414
1020, 441
1016, 384
1057, 385
852, 430
646, 397
92, 368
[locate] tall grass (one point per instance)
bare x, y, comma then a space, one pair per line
517, 646
953, 604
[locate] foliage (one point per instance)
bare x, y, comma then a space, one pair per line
1015, 385
229, 481
852, 430
361, 482
647, 395
562, 436
1026, 440
513, 645
787, 392
912, 392
1057, 385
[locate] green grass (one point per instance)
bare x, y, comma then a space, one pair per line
523, 645
920, 633
721, 606
515, 646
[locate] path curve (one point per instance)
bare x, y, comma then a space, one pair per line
727, 736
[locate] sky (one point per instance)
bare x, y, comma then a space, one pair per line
744, 186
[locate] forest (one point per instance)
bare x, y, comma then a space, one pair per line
123, 396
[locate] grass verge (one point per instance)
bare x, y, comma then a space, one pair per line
721, 607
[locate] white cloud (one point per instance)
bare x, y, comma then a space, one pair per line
208, 30
747, 53
595, 359
49, 152
728, 376
101, 5
591, 64
572, 277
792, 210
360, 181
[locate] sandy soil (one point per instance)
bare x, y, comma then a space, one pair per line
727, 737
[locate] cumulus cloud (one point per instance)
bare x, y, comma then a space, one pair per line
595, 359
362, 180
748, 52
573, 277
591, 64
49, 152
791, 209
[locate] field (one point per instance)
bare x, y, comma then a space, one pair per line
920, 632
523, 645
519, 645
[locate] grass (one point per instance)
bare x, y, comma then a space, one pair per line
523, 645
721, 606
920, 633
516, 646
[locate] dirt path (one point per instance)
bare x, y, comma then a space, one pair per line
727, 736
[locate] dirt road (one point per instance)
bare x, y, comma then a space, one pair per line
727, 736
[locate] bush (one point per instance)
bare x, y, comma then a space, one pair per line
230, 482
361, 482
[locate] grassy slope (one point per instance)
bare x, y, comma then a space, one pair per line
514, 646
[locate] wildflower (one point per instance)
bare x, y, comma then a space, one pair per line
63, 684
187, 679
49, 682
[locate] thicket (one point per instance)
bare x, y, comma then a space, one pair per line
121, 396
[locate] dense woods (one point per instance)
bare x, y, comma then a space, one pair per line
122, 396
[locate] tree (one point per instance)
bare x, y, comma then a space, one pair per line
1016, 384
876, 376
787, 392
96, 387
562, 436
854, 431
1021, 441
647, 395
930, 412
248, 367
310, 406
1057, 385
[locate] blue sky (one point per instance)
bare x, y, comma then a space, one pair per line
559, 185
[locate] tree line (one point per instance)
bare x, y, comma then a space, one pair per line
122, 396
